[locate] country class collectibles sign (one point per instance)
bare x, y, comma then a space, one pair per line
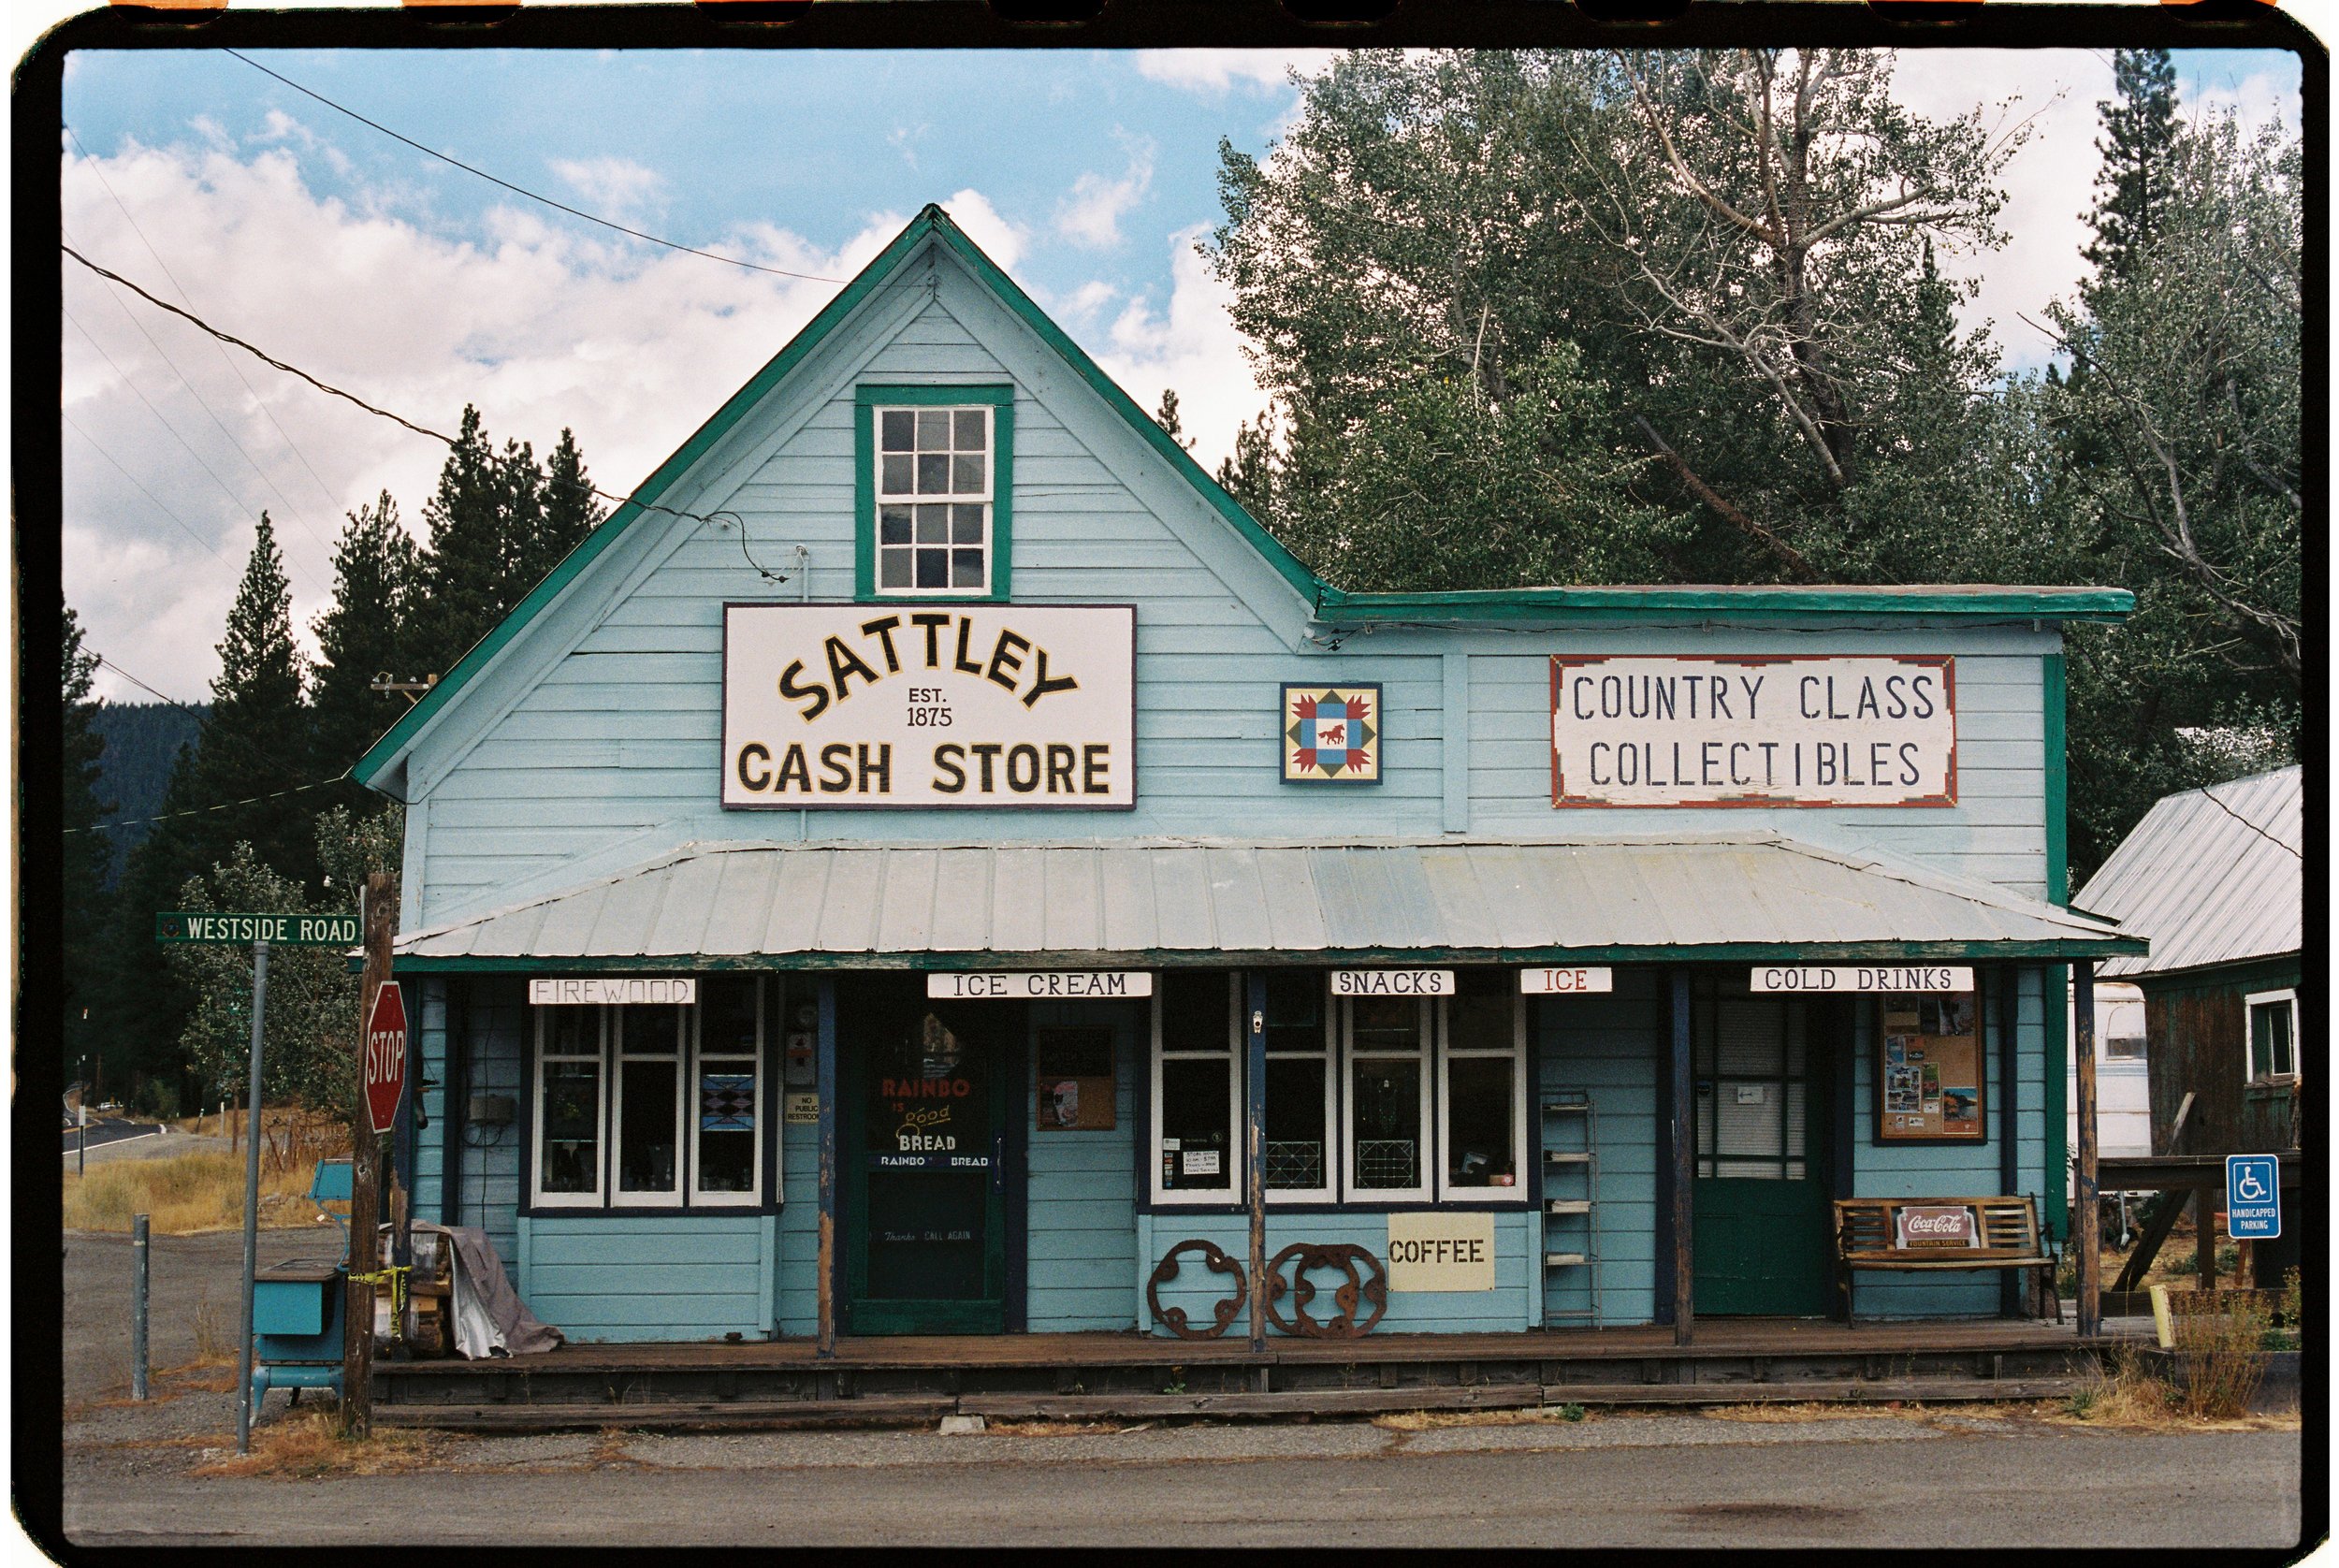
1785, 729
1040, 985
622, 991
1019, 706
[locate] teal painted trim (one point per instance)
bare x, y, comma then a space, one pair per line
2053, 983
2256, 973
378, 758
1626, 605
2052, 697
1001, 399
1818, 952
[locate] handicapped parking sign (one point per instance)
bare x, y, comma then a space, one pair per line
2253, 1198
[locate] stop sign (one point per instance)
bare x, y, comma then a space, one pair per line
385, 1055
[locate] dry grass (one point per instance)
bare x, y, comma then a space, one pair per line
1425, 1420
309, 1443
2218, 1351
2128, 1395
1036, 1428
1815, 1412
184, 1194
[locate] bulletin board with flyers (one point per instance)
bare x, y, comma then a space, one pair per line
1929, 1069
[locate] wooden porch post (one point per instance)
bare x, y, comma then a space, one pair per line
1255, 1152
2085, 1220
1684, 1159
2007, 978
825, 1080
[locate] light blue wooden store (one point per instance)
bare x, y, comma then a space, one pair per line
932, 864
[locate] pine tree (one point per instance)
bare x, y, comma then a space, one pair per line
1248, 473
362, 637
87, 856
2138, 131
462, 571
1168, 419
571, 512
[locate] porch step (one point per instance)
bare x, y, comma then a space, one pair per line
669, 1416
1300, 1401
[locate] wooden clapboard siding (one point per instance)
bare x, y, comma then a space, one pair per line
1079, 1205
427, 1008
683, 1276
1606, 1045
490, 1013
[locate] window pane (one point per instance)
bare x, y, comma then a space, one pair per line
2284, 1060
893, 569
967, 524
894, 525
1384, 1023
1387, 1110
653, 1031
934, 525
966, 569
933, 568
1196, 1135
1294, 1121
1479, 1016
1294, 1010
969, 435
966, 476
1194, 1010
572, 1130
1480, 1123
933, 475
726, 1161
727, 1017
645, 1150
896, 426
934, 430
572, 1031
899, 476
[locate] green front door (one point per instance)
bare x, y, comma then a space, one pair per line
1759, 1201
925, 1130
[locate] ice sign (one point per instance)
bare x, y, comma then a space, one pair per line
2253, 1198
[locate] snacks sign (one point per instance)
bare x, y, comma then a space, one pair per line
1761, 729
901, 704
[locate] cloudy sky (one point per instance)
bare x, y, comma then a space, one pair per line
1088, 176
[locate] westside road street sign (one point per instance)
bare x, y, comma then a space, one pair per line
2253, 1198
385, 1056
234, 930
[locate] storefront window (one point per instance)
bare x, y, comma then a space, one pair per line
568, 1113
1299, 1086
1195, 1146
1388, 1094
1485, 1125
2273, 1018
649, 1108
724, 1165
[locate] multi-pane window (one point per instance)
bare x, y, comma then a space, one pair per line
933, 496
1299, 1107
1386, 1040
1196, 1142
1484, 1084
1750, 1057
651, 1106
2273, 1017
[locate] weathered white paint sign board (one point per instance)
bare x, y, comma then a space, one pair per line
1759, 730
1015, 707
1565, 981
622, 991
1888, 978
1432, 1250
1393, 983
1039, 984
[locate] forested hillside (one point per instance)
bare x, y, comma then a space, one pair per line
142, 740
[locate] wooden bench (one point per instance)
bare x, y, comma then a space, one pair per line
1914, 1234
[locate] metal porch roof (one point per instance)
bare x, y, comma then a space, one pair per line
1195, 901
2211, 876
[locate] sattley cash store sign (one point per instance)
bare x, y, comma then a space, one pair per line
1785, 729
873, 705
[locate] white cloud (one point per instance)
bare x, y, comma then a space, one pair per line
613, 188
1191, 347
1091, 215
1215, 70
1001, 239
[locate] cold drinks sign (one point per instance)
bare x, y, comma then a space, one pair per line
908, 705
1783, 730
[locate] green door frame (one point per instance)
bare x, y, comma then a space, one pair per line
861, 1313
1801, 1203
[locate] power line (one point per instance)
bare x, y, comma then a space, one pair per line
132, 478
141, 685
2210, 794
224, 805
522, 190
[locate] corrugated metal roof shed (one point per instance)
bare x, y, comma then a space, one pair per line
2209, 876
1200, 900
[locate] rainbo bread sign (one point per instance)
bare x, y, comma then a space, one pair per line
908, 704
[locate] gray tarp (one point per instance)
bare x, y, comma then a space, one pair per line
490, 1319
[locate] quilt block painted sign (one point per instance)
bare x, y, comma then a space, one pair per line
1332, 734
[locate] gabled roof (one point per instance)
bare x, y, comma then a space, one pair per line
2210, 877
382, 766
1757, 896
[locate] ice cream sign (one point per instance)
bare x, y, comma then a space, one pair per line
913, 705
1759, 730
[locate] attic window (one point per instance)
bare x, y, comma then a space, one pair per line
935, 464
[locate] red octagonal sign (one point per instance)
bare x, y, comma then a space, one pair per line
385, 1055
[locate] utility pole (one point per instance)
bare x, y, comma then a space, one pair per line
365, 1171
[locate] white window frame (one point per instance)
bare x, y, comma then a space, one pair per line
692, 1095
1518, 1193
1236, 1127
1430, 1152
595, 1198
2250, 1004
621, 1198
1329, 1056
881, 499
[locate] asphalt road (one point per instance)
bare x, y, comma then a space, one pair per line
1668, 1481
105, 1130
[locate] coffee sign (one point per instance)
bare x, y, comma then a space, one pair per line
1010, 706
1770, 729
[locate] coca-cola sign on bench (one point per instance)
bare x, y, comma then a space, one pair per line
1943, 1225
